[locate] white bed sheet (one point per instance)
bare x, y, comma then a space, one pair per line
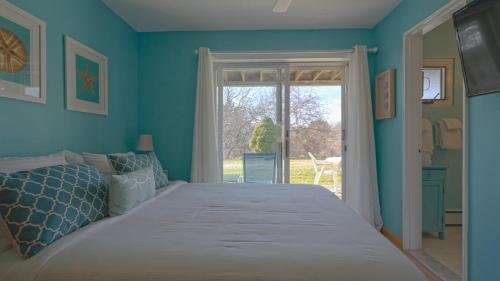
224, 232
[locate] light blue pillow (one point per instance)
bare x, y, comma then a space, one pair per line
42, 205
129, 190
129, 163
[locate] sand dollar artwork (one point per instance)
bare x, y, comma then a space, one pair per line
13, 54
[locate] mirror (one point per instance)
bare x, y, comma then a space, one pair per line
437, 79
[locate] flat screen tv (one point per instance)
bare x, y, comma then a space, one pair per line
478, 36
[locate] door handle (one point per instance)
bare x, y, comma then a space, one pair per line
287, 143
287, 148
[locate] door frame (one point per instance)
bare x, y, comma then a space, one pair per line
278, 84
284, 61
412, 115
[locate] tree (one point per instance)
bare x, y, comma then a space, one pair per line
322, 139
243, 109
305, 106
263, 138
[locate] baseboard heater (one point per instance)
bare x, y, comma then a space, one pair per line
453, 217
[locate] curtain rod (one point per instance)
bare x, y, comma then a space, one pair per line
373, 50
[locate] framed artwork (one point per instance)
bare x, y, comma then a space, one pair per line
86, 78
384, 95
22, 55
437, 88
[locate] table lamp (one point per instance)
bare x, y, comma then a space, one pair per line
145, 143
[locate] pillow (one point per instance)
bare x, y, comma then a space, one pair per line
129, 190
160, 176
100, 161
73, 158
42, 205
128, 163
15, 164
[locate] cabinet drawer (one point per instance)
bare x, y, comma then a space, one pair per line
433, 175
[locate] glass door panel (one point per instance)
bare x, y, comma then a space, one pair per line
315, 129
250, 133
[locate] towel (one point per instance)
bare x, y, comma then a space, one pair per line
427, 142
452, 123
449, 134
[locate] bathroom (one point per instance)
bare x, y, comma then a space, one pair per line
442, 152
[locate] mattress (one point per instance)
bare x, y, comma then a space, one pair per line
218, 232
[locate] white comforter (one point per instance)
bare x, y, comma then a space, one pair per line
223, 232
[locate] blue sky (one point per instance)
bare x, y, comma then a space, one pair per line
331, 98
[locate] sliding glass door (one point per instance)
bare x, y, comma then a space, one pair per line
282, 124
314, 126
250, 124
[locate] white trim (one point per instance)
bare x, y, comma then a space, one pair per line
412, 205
345, 75
412, 162
220, 115
278, 85
465, 186
286, 126
279, 121
442, 15
38, 53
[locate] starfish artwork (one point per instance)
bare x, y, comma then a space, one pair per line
88, 80
13, 55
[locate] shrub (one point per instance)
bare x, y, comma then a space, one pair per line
263, 139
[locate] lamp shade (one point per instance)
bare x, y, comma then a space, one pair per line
145, 143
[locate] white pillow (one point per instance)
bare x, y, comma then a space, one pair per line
15, 164
73, 158
129, 190
101, 162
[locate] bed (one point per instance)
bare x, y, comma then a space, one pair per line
222, 232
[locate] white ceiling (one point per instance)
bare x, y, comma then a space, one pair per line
170, 15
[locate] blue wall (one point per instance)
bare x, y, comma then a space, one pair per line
167, 75
484, 187
388, 133
30, 128
484, 151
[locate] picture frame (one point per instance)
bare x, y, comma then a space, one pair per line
437, 88
86, 78
384, 95
23, 62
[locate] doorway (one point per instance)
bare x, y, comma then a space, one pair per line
425, 182
282, 123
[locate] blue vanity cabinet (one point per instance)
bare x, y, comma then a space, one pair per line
433, 190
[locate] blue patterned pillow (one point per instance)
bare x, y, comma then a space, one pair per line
124, 164
42, 205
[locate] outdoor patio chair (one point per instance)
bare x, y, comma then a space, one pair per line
324, 168
259, 168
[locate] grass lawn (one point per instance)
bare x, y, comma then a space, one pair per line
301, 171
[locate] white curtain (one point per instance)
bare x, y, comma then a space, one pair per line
205, 165
361, 174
